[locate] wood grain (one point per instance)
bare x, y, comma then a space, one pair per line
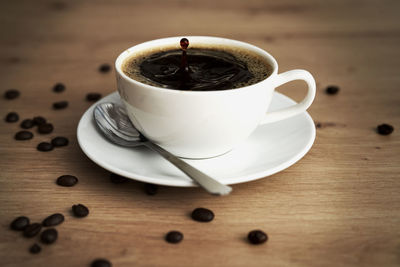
338, 206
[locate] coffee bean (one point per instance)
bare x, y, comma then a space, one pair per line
80, 210
332, 90
60, 104
104, 68
384, 129
27, 124
11, 94
44, 146
32, 229
23, 135
174, 237
53, 220
117, 179
67, 180
35, 249
49, 236
151, 189
58, 88
59, 141
93, 97
39, 120
45, 128
101, 263
20, 223
257, 237
12, 117
202, 215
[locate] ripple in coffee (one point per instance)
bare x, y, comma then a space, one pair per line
199, 67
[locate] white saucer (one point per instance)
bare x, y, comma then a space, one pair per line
270, 149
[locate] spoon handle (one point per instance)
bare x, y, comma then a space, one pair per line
209, 184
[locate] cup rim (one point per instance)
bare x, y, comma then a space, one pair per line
171, 40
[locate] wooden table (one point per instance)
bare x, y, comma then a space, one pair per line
338, 206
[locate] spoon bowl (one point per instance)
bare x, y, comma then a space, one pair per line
115, 125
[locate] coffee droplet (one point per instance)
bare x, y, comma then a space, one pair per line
184, 43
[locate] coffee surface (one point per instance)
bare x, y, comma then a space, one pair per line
208, 69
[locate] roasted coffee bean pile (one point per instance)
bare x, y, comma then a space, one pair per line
30, 230
44, 127
22, 223
49, 235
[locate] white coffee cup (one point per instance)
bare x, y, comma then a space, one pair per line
204, 124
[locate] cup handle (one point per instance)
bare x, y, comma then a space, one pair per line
285, 113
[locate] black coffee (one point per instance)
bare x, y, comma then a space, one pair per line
197, 68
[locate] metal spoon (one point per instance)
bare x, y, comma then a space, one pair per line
114, 123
